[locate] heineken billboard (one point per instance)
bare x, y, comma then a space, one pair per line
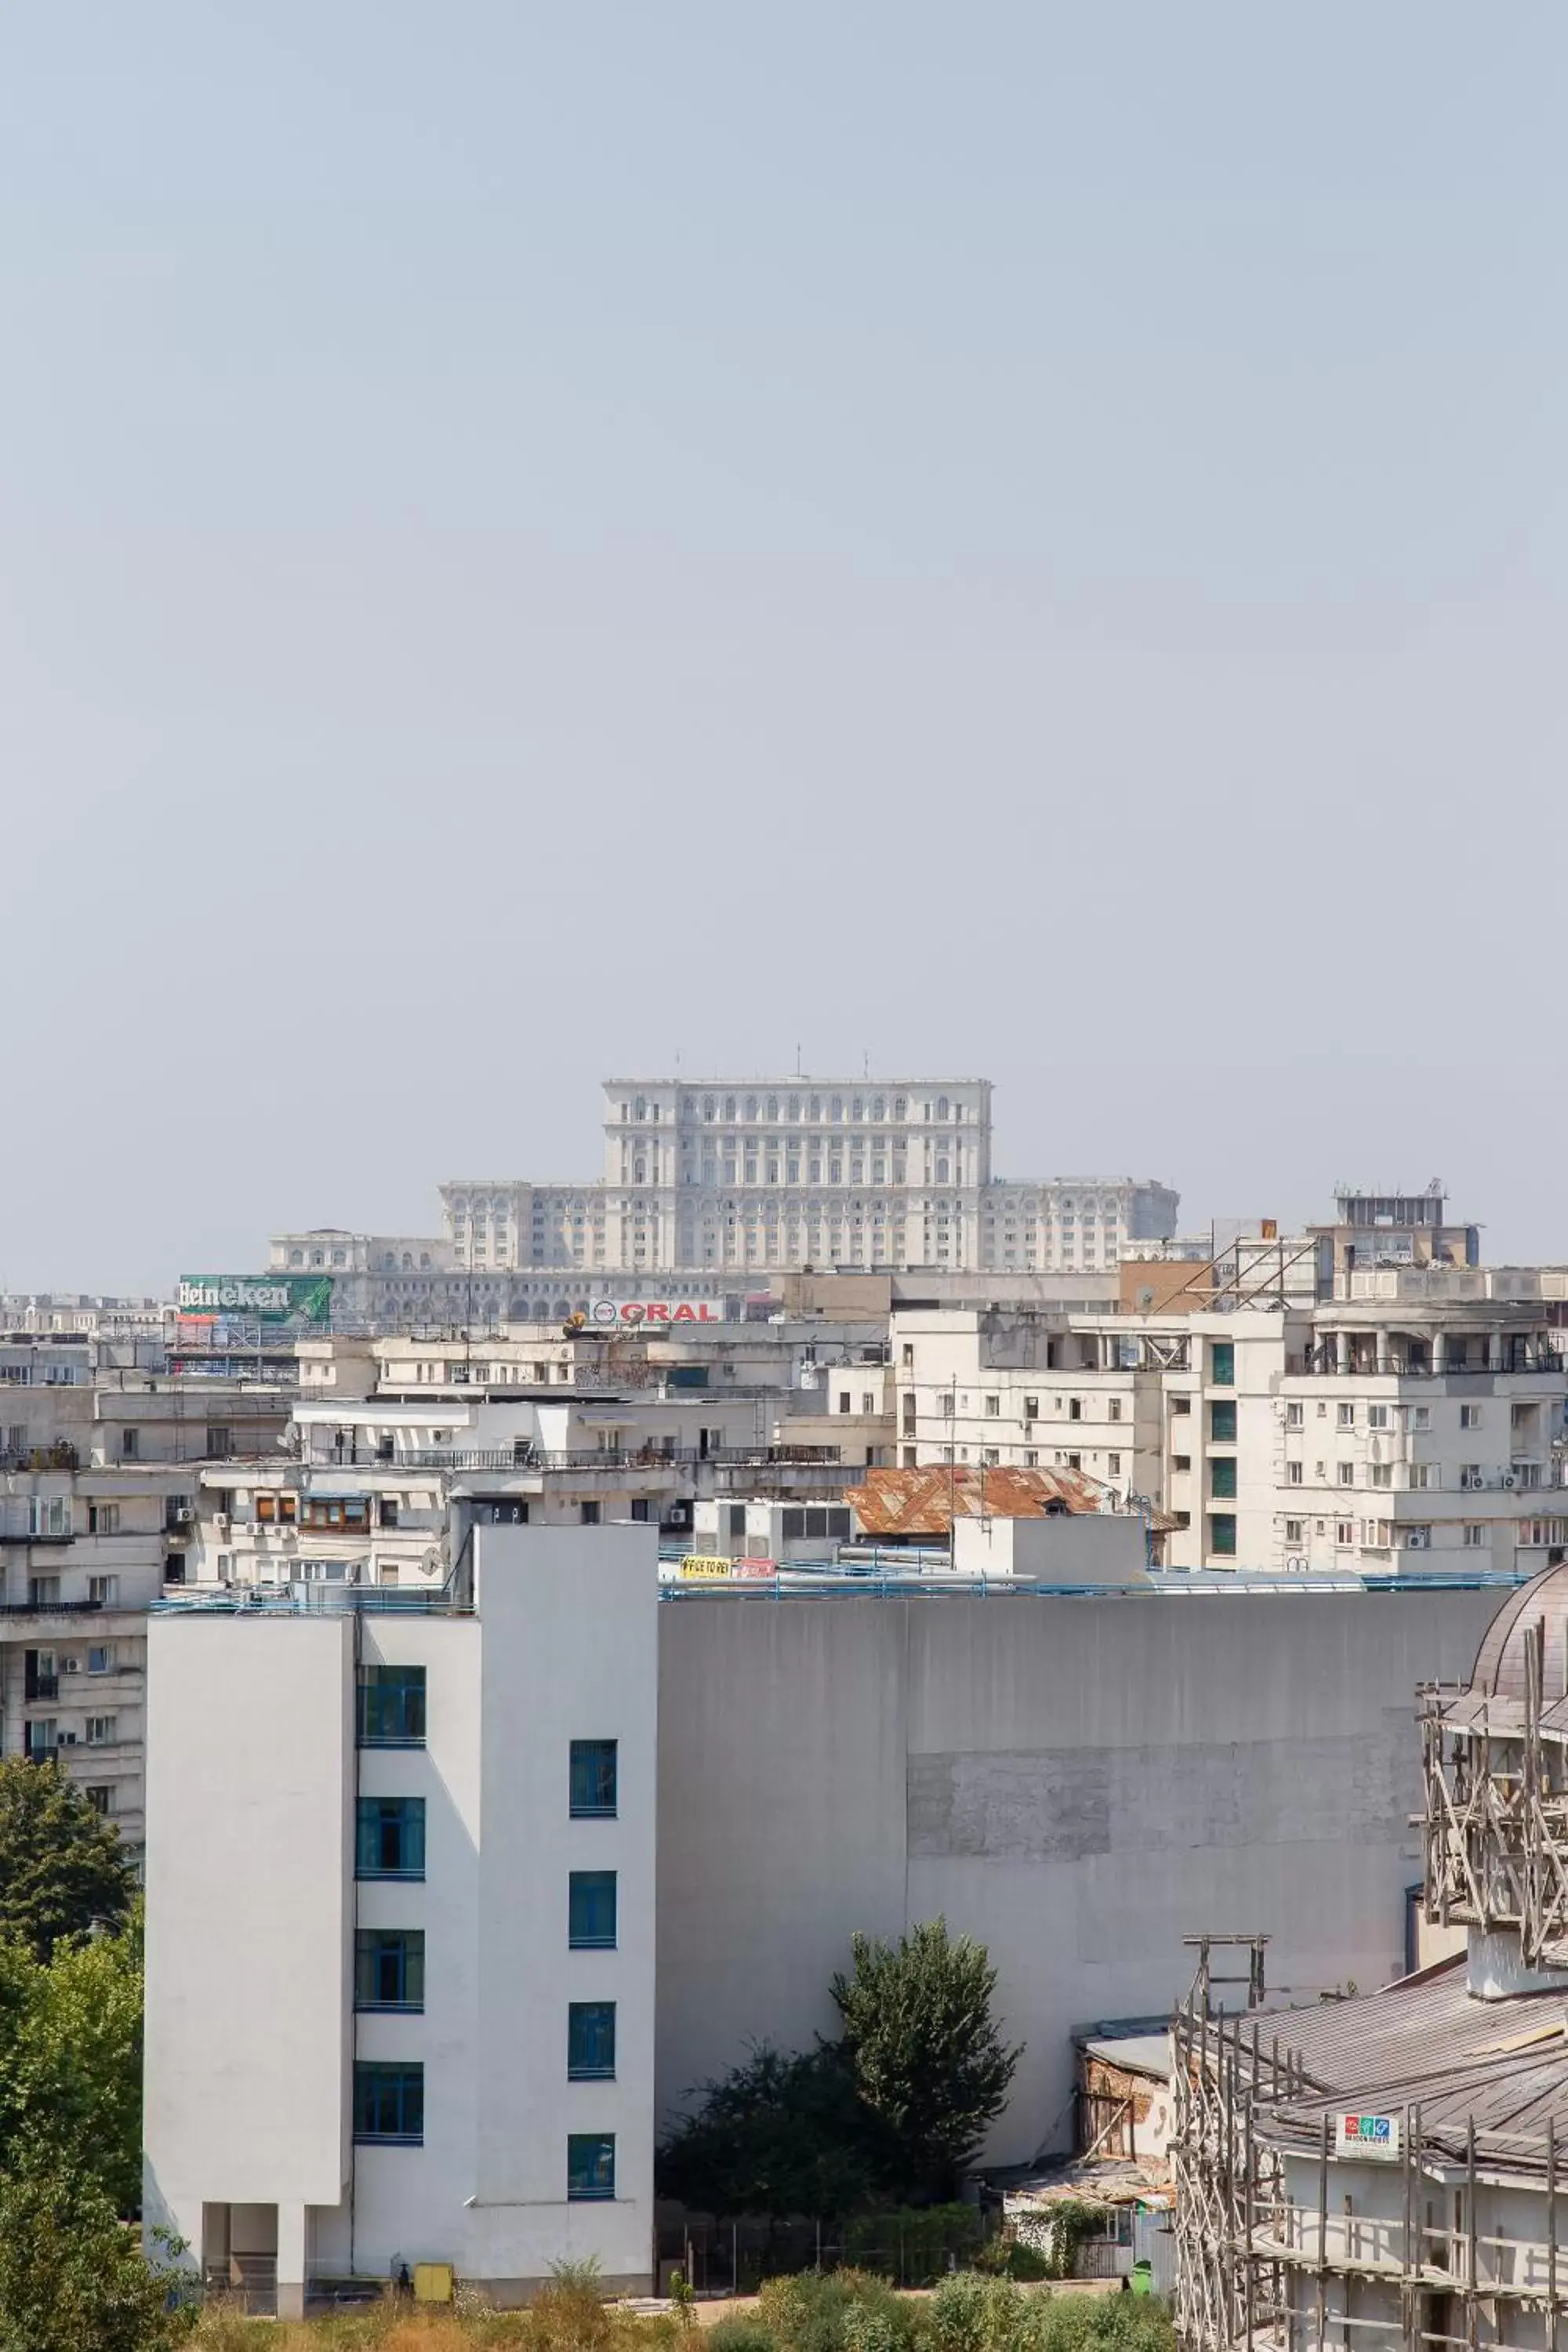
258, 1298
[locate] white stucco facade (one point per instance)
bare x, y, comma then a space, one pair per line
298, 2119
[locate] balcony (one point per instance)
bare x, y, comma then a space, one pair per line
56, 1456
36, 1685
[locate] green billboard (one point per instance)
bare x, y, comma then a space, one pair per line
258, 1298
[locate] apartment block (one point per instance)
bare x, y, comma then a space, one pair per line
400, 1957
1421, 1427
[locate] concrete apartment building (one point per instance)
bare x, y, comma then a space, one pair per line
397, 1446
400, 1944
368, 1963
742, 1178
1426, 1418
99, 1486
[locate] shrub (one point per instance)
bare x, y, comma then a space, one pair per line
744, 2331
1105, 2323
841, 2311
1009, 2256
970, 2312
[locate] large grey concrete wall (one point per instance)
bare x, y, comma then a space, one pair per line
1078, 1783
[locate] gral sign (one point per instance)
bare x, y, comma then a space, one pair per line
1376, 2135
655, 1310
262, 1298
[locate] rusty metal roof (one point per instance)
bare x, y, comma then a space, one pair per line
924, 1501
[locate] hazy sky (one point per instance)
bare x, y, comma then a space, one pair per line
1015, 537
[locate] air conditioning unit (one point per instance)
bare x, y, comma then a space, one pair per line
220, 1523
70, 1666
1507, 1480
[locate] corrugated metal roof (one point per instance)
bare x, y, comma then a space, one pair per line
923, 1502
1427, 2043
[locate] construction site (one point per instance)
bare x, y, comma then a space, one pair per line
1385, 2171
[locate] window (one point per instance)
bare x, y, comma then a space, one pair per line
392, 1707
389, 2103
1181, 1404
1347, 1473
220, 1440
1221, 1478
589, 2166
1295, 1530
103, 1519
591, 1925
1222, 1535
1222, 1363
1222, 1422
1292, 1416
1293, 1473
130, 1444
1425, 1473
868, 1401
1346, 1416
100, 1661
1344, 1534
589, 1514
1075, 1408
1180, 1461
390, 1838
1378, 1416
49, 1515
1474, 1537
101, 1730
590, 2042
907, 1356
1031, 1408
102, 1798
1183, 1518
386, 1511
389, 1968
844, 1400
992, 1407
1380, 1474
277, 1510
1420, 1416
1470, 1416
592, 1780
1114, 1465
104, 1589
1113, 1410
43, 1591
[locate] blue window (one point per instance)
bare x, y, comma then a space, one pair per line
590, 2041
389, 2104
592, 1780
1222, 1363
392, 1707
592, 1924
1222, 1420
390, 1838
590, 2165
389, 1968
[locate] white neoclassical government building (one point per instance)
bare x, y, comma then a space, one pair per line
726, 1176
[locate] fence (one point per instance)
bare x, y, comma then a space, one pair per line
910, 2248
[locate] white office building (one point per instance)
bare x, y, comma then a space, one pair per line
765, 1175
400, 1952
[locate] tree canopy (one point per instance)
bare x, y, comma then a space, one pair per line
62, 1869
72, 2275
894, 2108
71, 2061
928, 2060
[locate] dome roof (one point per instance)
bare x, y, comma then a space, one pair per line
1500, 1661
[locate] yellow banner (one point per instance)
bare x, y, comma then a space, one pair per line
698, 1563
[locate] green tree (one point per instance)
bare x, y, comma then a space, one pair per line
784, 2132
71, 2061
927, 2058
73, 2278
62, 1869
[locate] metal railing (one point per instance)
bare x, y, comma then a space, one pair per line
588, 1457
